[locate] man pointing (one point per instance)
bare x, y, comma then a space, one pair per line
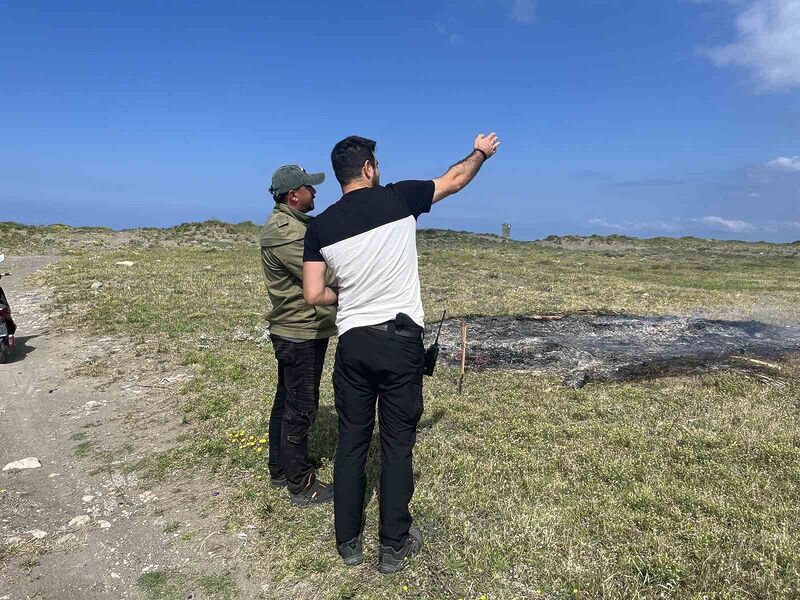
368, 239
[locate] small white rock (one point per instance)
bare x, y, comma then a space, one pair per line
96, 285
38, 534
104, 524
80, 521
64, 539
13, 540
114, 575
25, 463
54, 475
125, 263
87, 498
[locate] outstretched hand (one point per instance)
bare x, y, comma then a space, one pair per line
488, 144
461, 173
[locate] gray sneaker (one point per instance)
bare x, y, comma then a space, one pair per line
352, 552
392, 561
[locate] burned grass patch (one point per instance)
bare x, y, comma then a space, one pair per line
584, 347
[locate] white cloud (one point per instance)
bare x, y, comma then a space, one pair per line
523, 11
727, 224
446, 30
605, 224
636, 225
768, 43
689, 225
783, 163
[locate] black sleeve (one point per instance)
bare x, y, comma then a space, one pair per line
311, 249
417, 195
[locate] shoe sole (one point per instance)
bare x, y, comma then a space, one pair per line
303, 502
390, 569
353, 560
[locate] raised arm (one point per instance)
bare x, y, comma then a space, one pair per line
461, 173
315, 291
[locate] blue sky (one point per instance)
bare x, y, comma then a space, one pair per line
645, 118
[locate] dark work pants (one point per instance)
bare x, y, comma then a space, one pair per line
295, 409
372, 364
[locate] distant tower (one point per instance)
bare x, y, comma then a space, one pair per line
505, 231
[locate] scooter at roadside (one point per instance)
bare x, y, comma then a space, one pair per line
7, 326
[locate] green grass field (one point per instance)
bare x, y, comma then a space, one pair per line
682, 487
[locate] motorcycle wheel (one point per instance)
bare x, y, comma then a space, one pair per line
5, 351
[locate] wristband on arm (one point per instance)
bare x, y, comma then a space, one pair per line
485, 156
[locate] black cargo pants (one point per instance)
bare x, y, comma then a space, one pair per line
295, 409
373, 364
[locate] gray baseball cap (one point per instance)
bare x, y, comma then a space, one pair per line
291, 177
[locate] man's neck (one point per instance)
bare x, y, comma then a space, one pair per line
355, 185
294, 209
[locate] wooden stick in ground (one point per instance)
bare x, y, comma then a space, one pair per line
463, 355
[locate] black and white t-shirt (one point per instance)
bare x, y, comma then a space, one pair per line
369, 239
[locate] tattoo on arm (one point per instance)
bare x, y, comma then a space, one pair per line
464, 170
458, 175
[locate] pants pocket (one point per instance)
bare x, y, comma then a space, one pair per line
298, 423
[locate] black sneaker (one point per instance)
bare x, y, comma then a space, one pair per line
392, 561
278, 482
315, 493
352, 552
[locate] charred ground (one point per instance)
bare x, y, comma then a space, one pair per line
585, 347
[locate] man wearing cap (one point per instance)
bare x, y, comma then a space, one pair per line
299, 334
369, 238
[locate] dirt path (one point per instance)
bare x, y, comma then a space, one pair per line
82, 526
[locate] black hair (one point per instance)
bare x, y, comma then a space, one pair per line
349, 155
281, 198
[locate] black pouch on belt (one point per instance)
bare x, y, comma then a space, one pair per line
405, 323
432, 353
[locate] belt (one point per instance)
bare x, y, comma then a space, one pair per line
411, 333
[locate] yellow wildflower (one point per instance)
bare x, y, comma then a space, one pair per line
262, 440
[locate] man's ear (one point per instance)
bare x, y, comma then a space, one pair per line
367, 170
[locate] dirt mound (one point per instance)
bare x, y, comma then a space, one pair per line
596, 347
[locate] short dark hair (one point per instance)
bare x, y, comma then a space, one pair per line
349, 155
281, 198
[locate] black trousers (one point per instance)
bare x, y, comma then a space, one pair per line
372, 364
295, 409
